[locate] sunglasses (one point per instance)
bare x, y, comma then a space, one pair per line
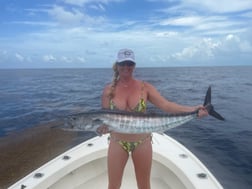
126, 63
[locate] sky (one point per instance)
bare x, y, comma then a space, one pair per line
89, 33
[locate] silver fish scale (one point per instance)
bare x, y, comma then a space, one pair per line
130, 124
125, 122
133, 122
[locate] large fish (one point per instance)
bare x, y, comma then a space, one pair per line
132, 122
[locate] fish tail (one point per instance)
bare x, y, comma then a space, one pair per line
210, 108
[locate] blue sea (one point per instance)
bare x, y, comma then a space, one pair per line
31, 97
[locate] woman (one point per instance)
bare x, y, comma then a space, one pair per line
130, 94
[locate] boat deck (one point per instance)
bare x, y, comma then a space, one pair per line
84, 166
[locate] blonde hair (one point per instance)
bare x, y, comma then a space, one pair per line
114, 81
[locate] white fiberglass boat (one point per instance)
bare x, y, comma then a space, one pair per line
85, 166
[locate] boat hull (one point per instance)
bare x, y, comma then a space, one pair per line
85, 166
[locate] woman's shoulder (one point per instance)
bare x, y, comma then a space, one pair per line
142, 82
109, 85
145, 84
107, 88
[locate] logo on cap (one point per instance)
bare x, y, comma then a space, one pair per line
127, 53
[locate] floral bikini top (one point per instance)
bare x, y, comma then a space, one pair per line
140, 107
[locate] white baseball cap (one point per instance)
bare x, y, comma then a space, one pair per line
125, 55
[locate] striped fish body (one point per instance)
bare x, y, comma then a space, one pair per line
130, 122
147, 123
127, 122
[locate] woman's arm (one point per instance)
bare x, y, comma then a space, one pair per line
105, 97
103, 129
158, 100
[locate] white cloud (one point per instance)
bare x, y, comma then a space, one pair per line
66, 17
98, 7
66, 59
19, 57
234, 44
210, 49
81, 59
183, 21
72, 36
70, 17
246, 47
76, 2
204, 49
207, 25
167, 34
231, 37
49, 58
32, 23
163, 48
83, 2
220, 6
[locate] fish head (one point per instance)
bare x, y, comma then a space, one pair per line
73, 123
82, 123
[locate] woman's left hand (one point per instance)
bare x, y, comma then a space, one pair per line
202, 111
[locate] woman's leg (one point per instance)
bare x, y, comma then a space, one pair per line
117, 159
142, 159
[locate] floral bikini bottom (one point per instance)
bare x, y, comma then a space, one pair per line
129, 146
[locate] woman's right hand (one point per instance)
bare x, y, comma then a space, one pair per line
103, 129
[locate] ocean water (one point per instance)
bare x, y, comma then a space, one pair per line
31, 97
